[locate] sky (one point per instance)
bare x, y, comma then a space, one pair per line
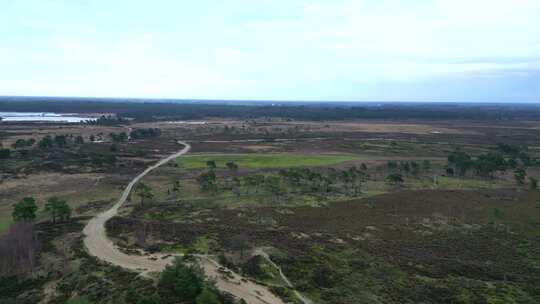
331, 50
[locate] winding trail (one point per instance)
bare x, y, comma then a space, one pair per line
100, 246
289, 284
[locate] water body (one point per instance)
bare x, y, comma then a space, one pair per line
43, 117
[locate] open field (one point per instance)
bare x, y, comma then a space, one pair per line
77, 189
395, 242
311, 198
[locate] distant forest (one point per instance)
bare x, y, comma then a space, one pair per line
167, 110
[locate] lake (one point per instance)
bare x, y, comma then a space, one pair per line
43, 117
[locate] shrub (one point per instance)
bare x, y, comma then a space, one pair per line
25, 209
5, 153
179, 283
208, 296
79, 300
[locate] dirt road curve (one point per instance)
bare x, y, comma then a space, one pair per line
99, 245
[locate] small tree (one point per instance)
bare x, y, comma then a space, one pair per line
415, 168
426, 165
211, 164
5, 153
177, 186
151, 299
179, 283
460, 161
25, 210
208, 296
533, 183
64, 211
519, 175
79, 140
273, 186
233, 167
207, 181
60, 140
405, 167
236, 186
46, 142
144, 192
58, 209
79, 300
395, 179
392, 166
22, 143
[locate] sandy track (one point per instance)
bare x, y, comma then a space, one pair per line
99, 245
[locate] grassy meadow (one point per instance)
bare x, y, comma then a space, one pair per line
260, 161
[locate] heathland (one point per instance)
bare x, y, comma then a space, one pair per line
294, 204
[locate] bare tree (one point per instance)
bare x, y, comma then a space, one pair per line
18, 249
140, 235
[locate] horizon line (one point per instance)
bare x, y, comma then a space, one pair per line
158, 99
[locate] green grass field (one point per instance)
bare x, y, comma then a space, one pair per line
258, 161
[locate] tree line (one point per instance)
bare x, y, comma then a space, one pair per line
146, 110
292, 181
504, 158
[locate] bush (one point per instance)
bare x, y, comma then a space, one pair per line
153, 299
208, 296
179, 283
46, 142
144, 133
533, 183
79, 300
394, 179
498, 213
5, 153
25, 210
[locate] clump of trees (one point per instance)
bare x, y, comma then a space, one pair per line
58, 209
179, 283
145, 133
5, 153
60, 141
144, 192
46, 142
208, 181
506, 157
23, 143
25, 210
119, 137
19, 247
107, 120
395, 179
533, 183
292, 181
408, 168
103, 159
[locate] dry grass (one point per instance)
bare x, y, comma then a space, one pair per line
77, 189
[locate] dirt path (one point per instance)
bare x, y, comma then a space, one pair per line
265, 255
99, 245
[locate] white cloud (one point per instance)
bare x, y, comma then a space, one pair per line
131, 67
268, 49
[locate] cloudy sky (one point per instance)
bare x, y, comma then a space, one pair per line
363, 50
